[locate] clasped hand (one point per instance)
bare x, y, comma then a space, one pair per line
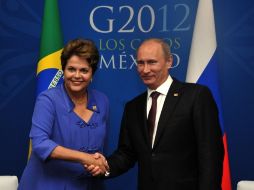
98, 166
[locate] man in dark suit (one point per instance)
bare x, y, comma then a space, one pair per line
181, 147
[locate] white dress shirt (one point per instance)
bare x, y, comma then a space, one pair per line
163, 90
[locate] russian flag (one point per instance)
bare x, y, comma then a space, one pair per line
203, 68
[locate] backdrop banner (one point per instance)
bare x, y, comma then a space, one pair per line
118, 27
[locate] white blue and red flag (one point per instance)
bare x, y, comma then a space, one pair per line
203, 67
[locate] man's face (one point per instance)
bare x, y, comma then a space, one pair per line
152, 64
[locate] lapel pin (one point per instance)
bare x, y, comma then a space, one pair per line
175, 94
94, 108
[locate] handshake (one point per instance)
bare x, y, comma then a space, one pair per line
96, 164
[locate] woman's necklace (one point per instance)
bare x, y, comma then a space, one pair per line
80, 100
77, 98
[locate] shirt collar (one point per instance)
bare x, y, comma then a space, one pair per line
163, 88
91, 103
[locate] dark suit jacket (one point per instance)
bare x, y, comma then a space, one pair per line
188, 149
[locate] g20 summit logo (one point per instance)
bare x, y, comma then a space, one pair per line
124, 27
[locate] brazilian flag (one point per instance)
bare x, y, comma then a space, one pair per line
49, 72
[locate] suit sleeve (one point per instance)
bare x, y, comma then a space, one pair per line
42, 123
124, 157
209, 141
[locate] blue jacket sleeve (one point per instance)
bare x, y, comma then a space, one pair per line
42, 124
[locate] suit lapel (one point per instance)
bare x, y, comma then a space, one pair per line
168, 108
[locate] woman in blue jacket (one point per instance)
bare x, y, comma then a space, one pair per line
69, 125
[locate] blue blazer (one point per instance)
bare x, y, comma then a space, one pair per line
55, 123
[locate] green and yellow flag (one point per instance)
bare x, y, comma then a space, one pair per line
49, 71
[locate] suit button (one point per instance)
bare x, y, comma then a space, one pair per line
153, 154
